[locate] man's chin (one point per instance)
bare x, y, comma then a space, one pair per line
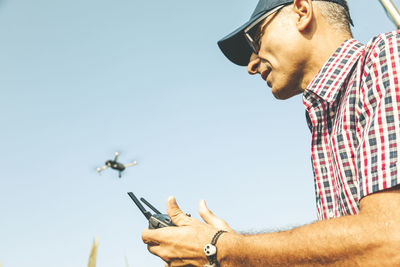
283, 94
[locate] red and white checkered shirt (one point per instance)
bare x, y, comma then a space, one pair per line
353, 111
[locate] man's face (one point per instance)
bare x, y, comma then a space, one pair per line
281, 57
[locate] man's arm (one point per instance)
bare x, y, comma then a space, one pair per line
371, 238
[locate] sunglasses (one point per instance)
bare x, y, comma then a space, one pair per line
252, 29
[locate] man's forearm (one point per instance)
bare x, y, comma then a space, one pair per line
360, 240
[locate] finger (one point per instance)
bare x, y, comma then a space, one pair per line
176, 214
159, 252
165, 255
210, 218
151, 237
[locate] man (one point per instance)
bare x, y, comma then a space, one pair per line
352, 98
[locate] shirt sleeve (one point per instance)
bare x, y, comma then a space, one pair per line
379, 117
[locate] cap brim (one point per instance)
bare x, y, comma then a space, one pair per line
235, 47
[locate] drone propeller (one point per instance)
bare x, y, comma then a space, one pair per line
116, 156
101, 169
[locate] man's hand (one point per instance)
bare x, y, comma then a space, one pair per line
183, 245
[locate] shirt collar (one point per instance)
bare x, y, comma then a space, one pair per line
329, 80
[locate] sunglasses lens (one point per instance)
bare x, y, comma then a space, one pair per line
253, 30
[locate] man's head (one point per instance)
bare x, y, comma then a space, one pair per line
287, 41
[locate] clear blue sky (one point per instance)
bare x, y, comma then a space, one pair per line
80, 80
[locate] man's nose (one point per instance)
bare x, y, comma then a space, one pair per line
254, 64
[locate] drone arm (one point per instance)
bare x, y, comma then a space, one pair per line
130, 164
101, 169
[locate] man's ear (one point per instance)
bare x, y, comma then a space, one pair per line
305, 12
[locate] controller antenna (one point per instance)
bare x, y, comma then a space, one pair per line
146, 213
150, 206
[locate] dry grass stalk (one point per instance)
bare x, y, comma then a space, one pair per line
126, 261
93, 254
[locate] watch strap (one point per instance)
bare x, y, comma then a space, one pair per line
211, 250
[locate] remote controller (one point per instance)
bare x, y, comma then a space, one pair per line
156, 220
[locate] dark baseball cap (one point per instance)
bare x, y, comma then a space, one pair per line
235, 46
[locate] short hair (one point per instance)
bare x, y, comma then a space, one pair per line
336, 15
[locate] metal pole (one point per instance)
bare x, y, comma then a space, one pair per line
392, 12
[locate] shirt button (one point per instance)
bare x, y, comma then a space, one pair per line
331, 113
331, 214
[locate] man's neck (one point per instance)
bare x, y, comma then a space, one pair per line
324, 45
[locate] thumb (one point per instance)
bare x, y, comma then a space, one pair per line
175, 213
210, 218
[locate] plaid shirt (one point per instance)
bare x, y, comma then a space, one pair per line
353, 111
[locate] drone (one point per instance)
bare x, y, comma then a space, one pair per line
114, 164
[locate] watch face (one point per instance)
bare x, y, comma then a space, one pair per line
210, 250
